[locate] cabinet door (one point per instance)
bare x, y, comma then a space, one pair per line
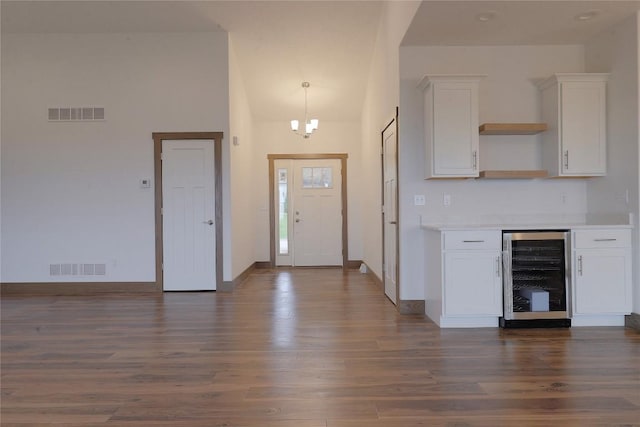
602, 281
455, 129
583, 128
472, 283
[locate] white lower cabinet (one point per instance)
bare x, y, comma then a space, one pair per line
472, 283
601, 270
464, 278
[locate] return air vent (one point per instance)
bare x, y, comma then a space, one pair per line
77, 269
76, 114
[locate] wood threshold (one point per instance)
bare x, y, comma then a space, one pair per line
512, 128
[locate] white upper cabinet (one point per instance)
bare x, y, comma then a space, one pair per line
574, 107
451, 125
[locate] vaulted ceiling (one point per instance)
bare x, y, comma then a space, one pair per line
280, 44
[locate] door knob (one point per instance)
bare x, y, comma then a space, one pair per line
210, 222
297, 219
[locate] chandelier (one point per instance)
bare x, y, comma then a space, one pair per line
309, 124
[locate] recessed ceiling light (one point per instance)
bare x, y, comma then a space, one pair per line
586, 16
486, 16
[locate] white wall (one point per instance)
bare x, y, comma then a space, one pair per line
331, 137
507, 93
380, 103
70, 191
241, 170
616, 51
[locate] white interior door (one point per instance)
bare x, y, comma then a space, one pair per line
390, 214
188, 198
316, 212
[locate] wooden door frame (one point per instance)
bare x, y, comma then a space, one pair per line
272, 217
216, 137
392, 122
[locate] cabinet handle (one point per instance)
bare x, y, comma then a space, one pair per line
604, 240
473, 241
475, 160
498, 266
580, 265
566, 159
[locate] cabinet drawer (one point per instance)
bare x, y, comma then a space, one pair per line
472, 240
604, 238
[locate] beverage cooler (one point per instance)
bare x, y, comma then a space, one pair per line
536, 279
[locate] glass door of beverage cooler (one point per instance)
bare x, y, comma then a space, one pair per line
536, 275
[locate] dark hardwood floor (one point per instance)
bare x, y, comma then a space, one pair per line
300, 348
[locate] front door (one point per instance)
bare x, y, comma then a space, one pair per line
308, 203
390, 210
188, 214
317, 216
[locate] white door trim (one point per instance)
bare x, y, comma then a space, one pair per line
158, 137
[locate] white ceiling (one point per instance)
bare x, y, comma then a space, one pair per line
279, 44
514, 22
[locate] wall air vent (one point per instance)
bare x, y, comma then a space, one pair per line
76, 114
77, 269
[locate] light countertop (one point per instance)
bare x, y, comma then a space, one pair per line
530, 226
528, 222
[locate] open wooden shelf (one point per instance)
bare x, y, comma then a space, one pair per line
513, 174
512, 128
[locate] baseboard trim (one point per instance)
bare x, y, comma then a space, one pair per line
262, 264
632, 321
226, 286
230, 285
411, 306
77, 288
374, 277
353, 263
